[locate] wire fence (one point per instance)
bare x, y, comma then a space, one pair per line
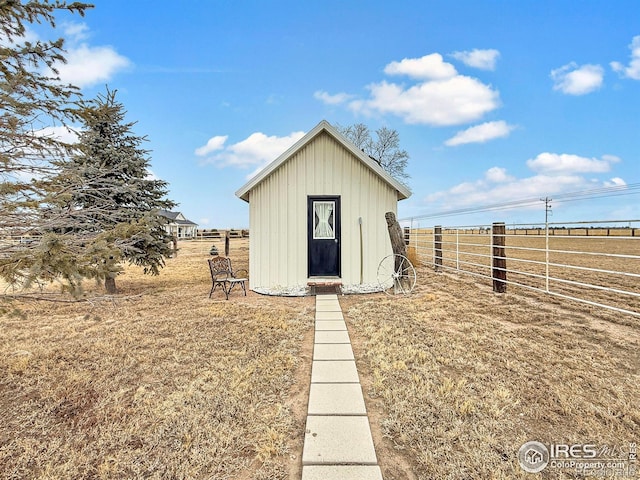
596, 263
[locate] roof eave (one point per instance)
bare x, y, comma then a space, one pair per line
403, 190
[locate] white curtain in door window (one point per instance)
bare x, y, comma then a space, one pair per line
323, 220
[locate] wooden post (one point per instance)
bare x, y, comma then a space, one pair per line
226, 244
437, 248
397, 238
174, 240
395, 234
499, 258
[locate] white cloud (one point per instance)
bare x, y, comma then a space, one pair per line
482, 59
151, 175
488, 191
481, 133
256, 171
75, 31
463, 188
633, 70
439, 96
212, 145
552, 174
497, 175
257, 150
29, 35
554, 163
329, 99
87, 66
453, 101
615, 182
60, 132
430, 67
573, 80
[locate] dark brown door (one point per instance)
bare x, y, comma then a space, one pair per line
323, 233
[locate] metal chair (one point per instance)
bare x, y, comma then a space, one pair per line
223, 275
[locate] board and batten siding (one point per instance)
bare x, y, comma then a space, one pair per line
278, 215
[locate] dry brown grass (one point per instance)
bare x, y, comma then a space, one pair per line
526, 257
458, 378
161, 382
158, 382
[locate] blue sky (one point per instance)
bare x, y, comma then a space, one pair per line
494, 101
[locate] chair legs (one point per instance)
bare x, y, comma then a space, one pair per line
227, 286
242, 285
224, 289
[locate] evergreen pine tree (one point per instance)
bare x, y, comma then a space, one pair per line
32, 98
113, 202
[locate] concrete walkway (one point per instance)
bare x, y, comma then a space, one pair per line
337, 442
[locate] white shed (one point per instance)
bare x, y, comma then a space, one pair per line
316, 214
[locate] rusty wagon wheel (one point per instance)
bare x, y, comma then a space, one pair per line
396, 275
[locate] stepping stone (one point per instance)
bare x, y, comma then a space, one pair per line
332, 337
341, 351
328, 307
320, 315
327, 301
338, 440
341, 472
334, 371
336, 399
325, 297
331, 325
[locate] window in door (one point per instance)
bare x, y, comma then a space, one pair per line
323, 220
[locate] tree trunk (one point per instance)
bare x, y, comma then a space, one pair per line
110, 284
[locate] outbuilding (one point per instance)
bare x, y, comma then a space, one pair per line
317, 215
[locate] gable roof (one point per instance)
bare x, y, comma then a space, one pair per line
323, 126
174, 217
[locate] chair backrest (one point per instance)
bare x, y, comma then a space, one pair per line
219, 264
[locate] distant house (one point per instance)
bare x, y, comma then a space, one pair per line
178, 225
316, 211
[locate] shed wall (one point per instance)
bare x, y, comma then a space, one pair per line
278, 215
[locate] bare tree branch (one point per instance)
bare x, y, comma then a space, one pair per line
385, 149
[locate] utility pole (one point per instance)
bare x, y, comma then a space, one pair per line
547, 210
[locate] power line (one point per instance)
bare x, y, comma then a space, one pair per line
601, 192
